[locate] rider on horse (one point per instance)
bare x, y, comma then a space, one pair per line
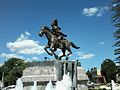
56, 30
56, 40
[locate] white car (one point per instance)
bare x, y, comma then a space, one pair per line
11, 87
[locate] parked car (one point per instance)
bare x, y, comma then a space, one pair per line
11, 87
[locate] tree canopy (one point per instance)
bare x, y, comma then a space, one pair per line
13, 69
108, 69
92, 74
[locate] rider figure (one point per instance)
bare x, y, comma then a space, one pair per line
56, 30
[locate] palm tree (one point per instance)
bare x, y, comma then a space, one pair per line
116, 34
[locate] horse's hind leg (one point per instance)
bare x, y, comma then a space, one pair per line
63, 51
70, 52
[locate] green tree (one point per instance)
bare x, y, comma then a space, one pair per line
92, 74
108, 69
116, 34
12, 69
89, 74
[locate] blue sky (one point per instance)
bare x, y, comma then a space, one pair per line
86, 22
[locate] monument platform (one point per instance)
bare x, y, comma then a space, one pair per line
44, 71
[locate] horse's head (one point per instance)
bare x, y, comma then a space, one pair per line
43, 31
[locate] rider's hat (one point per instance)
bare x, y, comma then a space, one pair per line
54, 24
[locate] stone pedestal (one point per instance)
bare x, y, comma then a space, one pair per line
42, 72
63, 67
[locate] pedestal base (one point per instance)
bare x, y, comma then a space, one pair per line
42, 72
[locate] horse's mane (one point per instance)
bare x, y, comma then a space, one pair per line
46, 27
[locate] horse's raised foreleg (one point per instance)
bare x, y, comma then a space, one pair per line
55, 55
45, 48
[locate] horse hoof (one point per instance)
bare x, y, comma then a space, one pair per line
59, 58
50, 54
56, 57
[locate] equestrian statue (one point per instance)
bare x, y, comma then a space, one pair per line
56, 40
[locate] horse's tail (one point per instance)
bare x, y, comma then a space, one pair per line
74, 46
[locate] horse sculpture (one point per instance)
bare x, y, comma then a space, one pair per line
54, 44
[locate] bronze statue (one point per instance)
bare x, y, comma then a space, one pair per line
56, 29
54, 42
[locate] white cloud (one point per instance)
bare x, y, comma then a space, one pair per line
1, 64
114, 5
102, 10
35, 58
90, 11
27, 33
59, 53
7, 56
95, 11
85, 55
24, 45
102, 43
